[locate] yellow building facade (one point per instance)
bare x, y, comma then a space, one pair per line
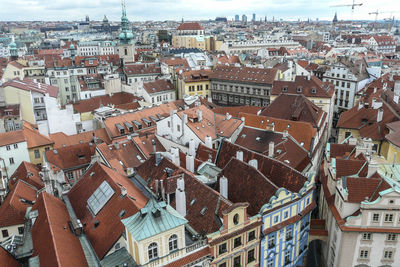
195, 82
14, 95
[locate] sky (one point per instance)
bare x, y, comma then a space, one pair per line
142, 10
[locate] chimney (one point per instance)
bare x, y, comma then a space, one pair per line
361, 67
199, 115
153, 142
379, 116
185, 118
208, 141
239, 155
254, 163
175, 156
360, 105
190, 163
271, 149
158, 158
180, 196
228, 116
163, 190
116, 145
192, 147
171, 117
123, 191
223, 186
156, 187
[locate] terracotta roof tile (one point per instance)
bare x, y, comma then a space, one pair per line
71, 157
360, 189
13, 137
190, 26
31, 85
34, 138
244, 74
60, 139
7, 259
28, 173
158, 86
309, 88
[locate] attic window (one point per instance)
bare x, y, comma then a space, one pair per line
203, 211
81, 156
299, 89
96, 224
122, 213
284, 89
193, 201
313, 90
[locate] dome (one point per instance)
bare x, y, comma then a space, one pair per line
12, 45
72, 47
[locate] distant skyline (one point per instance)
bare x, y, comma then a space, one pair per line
141, 10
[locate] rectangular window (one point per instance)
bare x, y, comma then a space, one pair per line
270, 262
388, 255
276, 218
37, 153
289, 234
366, 236
237, 242
250, 256
8, 147
15, 145
4, 233
222, 248
222, 265
287, 257
11, 160
364, 254
375, 217
252, 235
391, 237
21, 230
271, 241
389, 217
237, 262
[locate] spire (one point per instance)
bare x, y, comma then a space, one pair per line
335, 20
126, 35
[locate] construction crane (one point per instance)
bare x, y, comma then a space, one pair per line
376, 13
352, 7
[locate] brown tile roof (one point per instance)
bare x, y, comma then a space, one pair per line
31, 85
309, 88
190, 258
190, 26
340, 150
286, 150
109, 228
302, 132
141, 69
13, 137
28, 173
7, 259
198, 195
71, 157
365, 121
228, 59
145, 145
347, 167
258, 188
34, 138
244, 74
12, 210
93, 103
360, 189
52, 238
60, 139
270, 168
195, 75
163, 110
158, 86
176, 62
204, 153
295, 108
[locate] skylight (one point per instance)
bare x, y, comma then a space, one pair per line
100, 197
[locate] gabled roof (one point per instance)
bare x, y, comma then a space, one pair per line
31, 85
61, 139
52, 238
348, 167
70, 157
359, 189
247, 184
7, 259
244, 74
13, 137
340, 150
153, 219
12, 210
34, 138
270, 168
27, 172
190, 26
309, 88
235, 111
108, 227
295, 108
94, 103
158, 86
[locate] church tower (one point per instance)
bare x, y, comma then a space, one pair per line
335, 20
126, 47
13, 49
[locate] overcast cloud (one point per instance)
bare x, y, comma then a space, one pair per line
192, 9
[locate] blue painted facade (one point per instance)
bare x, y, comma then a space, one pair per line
287, 245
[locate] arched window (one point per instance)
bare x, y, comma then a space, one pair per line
173, 242
153, 251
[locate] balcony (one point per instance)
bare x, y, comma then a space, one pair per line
196, 245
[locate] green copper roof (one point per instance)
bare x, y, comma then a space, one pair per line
153, 219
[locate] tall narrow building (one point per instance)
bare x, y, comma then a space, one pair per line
126, 47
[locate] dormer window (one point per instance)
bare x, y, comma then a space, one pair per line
299, 89
236, 219
313, 90
284, 89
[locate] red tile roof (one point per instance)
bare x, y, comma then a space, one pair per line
190, 26
359, 189
28, 173
61, 139
235, 111
244, 74
141, 69
13, 137
7, 259
94, 103
158, 86
109, 228
34, 138
12, 210
309, 88
52, 238
71, 157
190, 258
